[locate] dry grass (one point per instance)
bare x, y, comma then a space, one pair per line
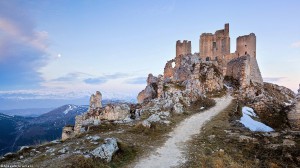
214, 148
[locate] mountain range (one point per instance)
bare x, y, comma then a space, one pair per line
17, 131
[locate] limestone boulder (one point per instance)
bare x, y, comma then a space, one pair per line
150, 92
147, 94
115, 112
106, 150
67, 133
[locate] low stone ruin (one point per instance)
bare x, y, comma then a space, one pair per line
68, 132
119, 112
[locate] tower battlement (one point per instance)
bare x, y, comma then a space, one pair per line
183, 48
246, 45
215, 46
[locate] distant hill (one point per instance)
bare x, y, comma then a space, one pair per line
28, 112
17, 131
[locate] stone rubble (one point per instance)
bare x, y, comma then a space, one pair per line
106, 150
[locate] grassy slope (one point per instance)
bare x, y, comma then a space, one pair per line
216, 148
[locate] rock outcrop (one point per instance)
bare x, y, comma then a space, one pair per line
96, 100
270, 101
150, 92
106, 150
294, 114
68, 132
185, 81
190, 80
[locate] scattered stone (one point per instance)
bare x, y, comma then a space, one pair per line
211, 137
24, 148
9, 154
50, 150
178, 108
93, 138
273, 146
288, 143
56, 141
64, 150
154, 118
288, 156
146, 123
106, 150
243, 138
87, 156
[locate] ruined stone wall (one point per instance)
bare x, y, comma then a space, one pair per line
169, 69
246, 45
244, 69
223, 63
255, 75
215, 46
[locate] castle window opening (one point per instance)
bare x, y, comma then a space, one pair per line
207, 58
214, 45
246, 53
216, 58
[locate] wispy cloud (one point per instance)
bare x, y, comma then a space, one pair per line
23, 49
137, 80
74, 76
273, 79
98, 80
296, 44
104, 78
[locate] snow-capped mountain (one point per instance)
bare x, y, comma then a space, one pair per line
17, 131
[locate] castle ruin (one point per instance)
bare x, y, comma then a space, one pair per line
240, 65
215, 46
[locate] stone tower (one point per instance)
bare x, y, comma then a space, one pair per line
215, 46
183, 48
246, 45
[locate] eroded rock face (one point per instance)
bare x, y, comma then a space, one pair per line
270, 101
150, 92
106, 150
115, 112
187, 81
294, 114
68, 132
96, 100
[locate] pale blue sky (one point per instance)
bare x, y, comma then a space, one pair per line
66, 46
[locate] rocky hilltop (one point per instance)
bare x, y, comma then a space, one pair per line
187, 86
